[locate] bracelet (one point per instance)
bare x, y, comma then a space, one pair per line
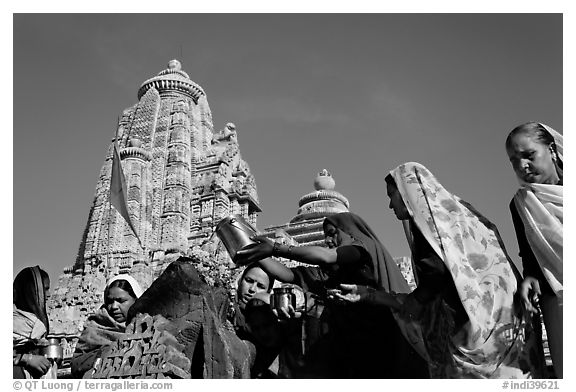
277, 252
276, 249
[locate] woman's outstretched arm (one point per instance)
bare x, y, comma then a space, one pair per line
315, 255
369, 295
277, 270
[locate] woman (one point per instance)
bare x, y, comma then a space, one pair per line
253, 283
536, 153
108, 323
464, 302
349, 348
30, 324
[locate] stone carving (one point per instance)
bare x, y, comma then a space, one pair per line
146, 351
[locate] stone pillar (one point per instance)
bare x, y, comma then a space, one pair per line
176, 209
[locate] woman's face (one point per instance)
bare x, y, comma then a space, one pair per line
118, 302
254, 281
397, 203
46, 284
531, 160
335, 237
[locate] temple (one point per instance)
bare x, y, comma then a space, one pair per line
182, 177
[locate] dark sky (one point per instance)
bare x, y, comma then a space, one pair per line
356, 94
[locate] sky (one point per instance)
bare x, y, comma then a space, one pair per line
356, 94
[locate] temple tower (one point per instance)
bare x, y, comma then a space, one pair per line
182, 177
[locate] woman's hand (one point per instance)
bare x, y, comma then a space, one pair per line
286, 313
529, 292
256, 252
351, 293
38, 364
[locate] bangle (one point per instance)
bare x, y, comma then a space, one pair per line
286, 252
276, 249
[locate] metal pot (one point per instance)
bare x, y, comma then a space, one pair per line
282, 297
235, 233
53, 350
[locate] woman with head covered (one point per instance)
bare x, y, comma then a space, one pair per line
536, 154
30, 324
108, 324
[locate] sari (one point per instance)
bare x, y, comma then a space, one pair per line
496, 341
541, 209
364, 342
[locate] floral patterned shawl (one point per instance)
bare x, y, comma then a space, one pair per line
541, 207
492, 343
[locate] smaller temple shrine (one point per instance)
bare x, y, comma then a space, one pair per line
306, 227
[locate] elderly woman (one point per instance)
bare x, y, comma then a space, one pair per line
108, 323
351, 340
464, 303
535, 151
30, 324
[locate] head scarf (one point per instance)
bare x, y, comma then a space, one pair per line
488, 345
28, 293
541, 207
558, 140
386, 271
136, 288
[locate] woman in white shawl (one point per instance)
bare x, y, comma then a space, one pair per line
107, 324
536, 153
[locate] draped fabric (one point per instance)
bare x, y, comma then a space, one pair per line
28, 293
136, 288
365, 342
541, 207
100, 329
26, 327
492, 344
386, 272
29, 317
558, 140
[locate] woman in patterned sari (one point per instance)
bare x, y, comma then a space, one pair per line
463, 308
536, 153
